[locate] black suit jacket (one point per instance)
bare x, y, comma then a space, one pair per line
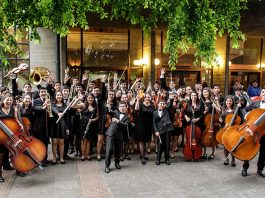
253, 105
40, 124
162, 124
117, 129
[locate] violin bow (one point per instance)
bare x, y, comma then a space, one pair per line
120, 77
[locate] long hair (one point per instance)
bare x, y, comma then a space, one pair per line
233, 105
4, 97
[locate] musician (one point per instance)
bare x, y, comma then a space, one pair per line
26, 108
195, 106
261, 159
114, 135
127, 135
52, 89
217, 95
238, 89
176, 115
7, 111
70, 140
163, 128
60, 130
144, 123
253, 89
27, 90
206, 97
229, 108
188, 91
123, 86
40, 125
89, 126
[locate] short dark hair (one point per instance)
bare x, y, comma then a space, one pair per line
27, 84
122, 103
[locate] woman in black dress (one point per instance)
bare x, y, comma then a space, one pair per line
6, 111
144, 126
60, 130
88, 126
26, 109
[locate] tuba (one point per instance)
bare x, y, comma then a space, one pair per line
37, 74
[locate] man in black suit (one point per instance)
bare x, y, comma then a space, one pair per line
163, 128
261, 159
40, 124
114, 135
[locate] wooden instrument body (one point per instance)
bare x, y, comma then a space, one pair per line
25, 151
228, 119
208, 137
239, 143
192, 149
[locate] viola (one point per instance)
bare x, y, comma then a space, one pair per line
192, 149
26, 152
237, 140
208, 137
230, 120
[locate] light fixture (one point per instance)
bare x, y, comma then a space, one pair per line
157, 61
262, 65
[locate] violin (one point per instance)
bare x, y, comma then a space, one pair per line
108, 120
237, 140
26, 152
177, 121
192, 149
230, 120
208, 137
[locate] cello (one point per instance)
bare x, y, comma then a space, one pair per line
26, 152
239, 142
208, 137
192, 149
230, 120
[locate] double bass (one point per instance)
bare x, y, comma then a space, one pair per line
26, 152
230, 120
192, 149
239, 142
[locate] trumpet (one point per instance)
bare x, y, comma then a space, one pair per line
49, 107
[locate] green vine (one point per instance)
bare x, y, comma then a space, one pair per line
190, 23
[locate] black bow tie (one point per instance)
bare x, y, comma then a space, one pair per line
263, 101
122, 113
160, 110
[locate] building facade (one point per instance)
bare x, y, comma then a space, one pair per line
115, 48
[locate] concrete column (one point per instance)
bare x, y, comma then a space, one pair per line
44, 54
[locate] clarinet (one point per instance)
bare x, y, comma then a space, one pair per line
87, 127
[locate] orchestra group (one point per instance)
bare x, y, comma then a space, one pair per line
85, 117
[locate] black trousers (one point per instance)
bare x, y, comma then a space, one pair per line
261, 159
165, 146
116, 144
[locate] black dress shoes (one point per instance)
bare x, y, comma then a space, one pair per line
20, 174
260, 173
8, 168
107, 170
143, 162
167, 162
117, 166
1, 179
244, 173
157, 162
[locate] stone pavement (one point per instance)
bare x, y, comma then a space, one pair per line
79, 179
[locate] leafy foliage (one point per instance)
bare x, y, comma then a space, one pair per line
193, 23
